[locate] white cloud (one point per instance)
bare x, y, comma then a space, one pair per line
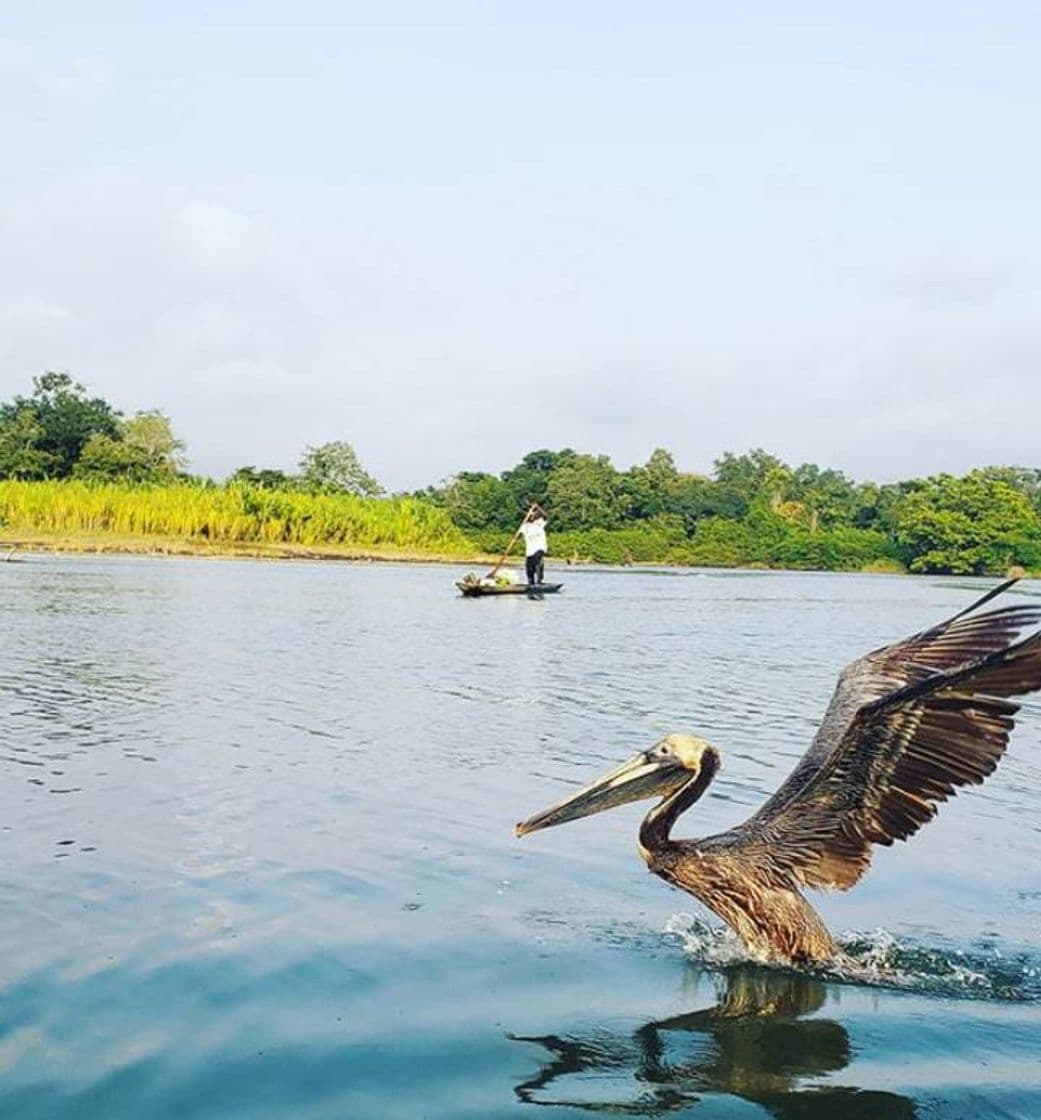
217, 240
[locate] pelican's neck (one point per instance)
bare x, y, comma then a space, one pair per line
654, 832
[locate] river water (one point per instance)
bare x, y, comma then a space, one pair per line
256, 854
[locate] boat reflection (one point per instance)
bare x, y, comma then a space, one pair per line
753, 1044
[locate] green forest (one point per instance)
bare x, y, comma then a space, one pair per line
756, 510
72, 463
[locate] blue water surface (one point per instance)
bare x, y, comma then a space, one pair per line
256, 854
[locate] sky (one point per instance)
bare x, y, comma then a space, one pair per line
453, 233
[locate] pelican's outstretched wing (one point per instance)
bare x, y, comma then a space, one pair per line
907, 725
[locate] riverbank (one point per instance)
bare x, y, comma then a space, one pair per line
138, 545
102, 544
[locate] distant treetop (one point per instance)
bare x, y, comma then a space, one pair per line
335, 466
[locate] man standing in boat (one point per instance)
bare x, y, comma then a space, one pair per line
534, 530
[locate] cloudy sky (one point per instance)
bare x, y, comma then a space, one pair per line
451, 233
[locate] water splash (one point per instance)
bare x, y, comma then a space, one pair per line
983, 971
882, 959
707, 943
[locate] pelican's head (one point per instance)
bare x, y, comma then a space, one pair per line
657, 772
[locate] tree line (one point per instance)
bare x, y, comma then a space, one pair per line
59, 431
752, 509
755, 509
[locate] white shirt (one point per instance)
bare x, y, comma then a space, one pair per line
534, 536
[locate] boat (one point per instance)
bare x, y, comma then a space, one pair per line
473, 589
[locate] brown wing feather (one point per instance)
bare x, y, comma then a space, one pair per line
962, 639
899, 755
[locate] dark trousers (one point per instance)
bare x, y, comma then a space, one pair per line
533, 566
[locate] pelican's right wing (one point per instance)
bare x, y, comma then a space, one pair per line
908, 724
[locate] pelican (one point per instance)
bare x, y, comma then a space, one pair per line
907, 725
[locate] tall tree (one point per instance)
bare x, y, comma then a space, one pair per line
20, 453
104, 459
828, 497
651, 487
145, 450
67, 418
151, 436
336, 466
756, 475
529, 481
586, 492
1025, 479
475, 501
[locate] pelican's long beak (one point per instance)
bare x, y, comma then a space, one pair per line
645, 775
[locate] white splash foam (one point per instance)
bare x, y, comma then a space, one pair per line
709, 944
879, 957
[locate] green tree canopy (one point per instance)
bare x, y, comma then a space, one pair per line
1025, 479
475, 501
151, 436
586, 492
694, 497
754, 475
529, 481
971, 525
106, 458
145, 449
65, 417
651, 487
21, 455
265, 479
828, 496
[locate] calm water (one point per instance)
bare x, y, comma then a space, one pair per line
256, 855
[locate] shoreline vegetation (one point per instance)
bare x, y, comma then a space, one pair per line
76, 475
189, 519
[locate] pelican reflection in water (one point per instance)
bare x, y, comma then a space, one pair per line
753, 1044
907, 725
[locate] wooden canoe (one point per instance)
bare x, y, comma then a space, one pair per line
473, 590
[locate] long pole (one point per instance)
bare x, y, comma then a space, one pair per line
513, 541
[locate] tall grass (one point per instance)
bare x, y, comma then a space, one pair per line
229, 514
